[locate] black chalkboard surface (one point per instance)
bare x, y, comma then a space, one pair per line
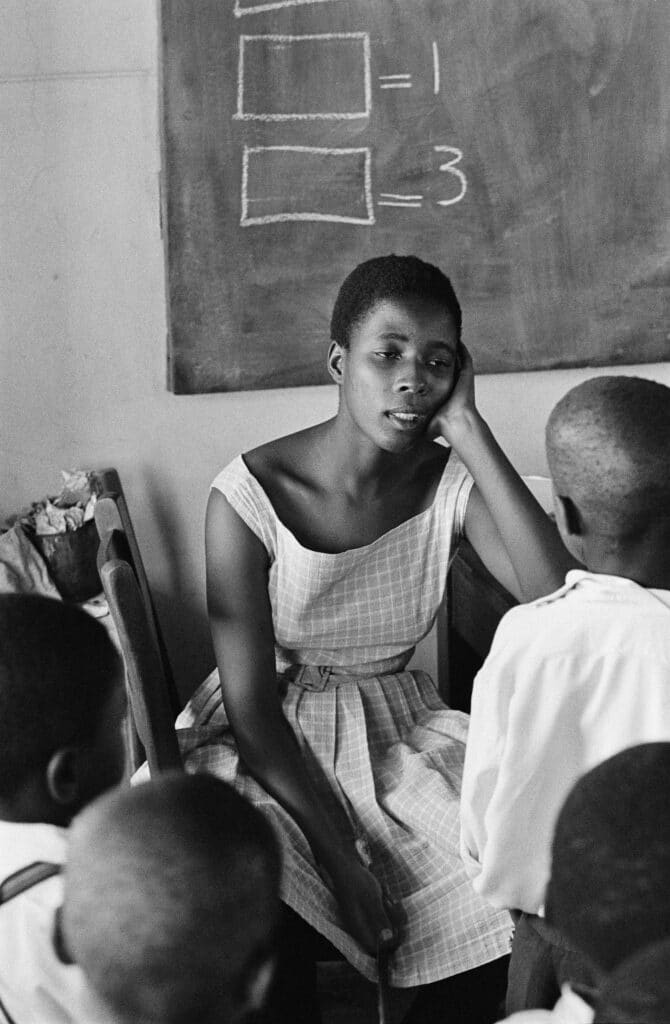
522, 145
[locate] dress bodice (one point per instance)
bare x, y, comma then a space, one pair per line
357, 606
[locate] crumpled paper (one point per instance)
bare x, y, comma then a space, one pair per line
69, 510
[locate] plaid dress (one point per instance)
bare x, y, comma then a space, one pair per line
383, 751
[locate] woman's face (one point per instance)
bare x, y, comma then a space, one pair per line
400, 367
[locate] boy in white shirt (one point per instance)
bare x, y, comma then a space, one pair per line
577, 676
62, 708
608, 895
171, 902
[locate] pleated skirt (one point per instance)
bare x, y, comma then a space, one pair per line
385, 756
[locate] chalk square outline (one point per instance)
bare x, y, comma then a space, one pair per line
276, 218
363, 37
276, 5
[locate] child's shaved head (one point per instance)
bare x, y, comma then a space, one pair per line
608, 447
608, 891
638, 989
171, 899
58, 673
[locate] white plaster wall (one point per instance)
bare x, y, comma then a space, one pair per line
82, 305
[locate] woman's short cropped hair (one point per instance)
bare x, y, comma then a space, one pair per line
389, 277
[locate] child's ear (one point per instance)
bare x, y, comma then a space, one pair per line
568, 517
570, 526
62, 777
58, 938
336, 356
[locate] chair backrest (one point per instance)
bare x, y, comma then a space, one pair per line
150, 705
112, 516
118, 540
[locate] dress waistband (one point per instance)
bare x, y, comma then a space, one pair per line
325, 677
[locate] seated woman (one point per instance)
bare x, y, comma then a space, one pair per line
327, 556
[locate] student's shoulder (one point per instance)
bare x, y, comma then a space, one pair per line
545, 622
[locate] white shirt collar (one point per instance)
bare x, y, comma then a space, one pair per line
603, 582
24, 843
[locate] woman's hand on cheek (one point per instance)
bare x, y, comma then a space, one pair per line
459, 408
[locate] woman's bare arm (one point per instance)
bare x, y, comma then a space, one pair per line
241, 624
507, 527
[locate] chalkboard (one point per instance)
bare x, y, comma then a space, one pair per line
522, 145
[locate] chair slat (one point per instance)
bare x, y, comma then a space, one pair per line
150, 704
118, 540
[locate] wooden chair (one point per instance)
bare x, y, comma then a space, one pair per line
154, 698
150, 706
118, 540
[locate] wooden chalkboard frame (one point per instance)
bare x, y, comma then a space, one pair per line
522, 145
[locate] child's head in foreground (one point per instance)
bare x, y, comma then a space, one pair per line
638, 990
609, 891
608, 447
171, 901
62, 709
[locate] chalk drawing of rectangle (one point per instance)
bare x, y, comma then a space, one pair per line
334, 80
293, 183
241, 8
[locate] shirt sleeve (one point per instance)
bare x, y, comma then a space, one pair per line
515, 773
492, 691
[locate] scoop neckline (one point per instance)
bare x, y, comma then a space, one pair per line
362, 547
